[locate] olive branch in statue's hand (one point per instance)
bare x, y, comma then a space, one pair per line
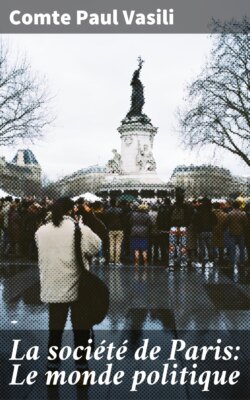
140, 62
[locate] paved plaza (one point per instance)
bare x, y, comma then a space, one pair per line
195, 303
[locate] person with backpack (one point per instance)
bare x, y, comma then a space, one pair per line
180, 218
60, 275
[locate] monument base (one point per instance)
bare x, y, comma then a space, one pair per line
147, 185
146, 178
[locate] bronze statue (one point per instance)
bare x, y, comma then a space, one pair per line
137, 98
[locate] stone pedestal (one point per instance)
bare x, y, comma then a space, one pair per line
137, 138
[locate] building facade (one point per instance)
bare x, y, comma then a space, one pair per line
209, 180
21, 176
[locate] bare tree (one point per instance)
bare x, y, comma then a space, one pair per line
217, 109
24, 100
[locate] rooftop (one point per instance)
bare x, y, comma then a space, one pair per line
24, 157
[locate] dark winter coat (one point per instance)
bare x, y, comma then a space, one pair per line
204, 220
14, 226
140, 224
163, 218
114, 219
186, 213
94, 223
219, 228
237, 222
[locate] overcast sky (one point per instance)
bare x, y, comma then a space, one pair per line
90, 77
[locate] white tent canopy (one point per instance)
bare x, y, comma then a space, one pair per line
218, 200
3, 193
88, 197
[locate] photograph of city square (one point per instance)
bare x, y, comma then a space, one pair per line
139, 144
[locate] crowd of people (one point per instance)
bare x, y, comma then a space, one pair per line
167, 233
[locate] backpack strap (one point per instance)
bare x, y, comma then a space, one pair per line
77, 243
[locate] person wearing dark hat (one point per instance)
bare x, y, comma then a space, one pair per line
180, 218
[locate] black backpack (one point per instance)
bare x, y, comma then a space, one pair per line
178, 216
93, 293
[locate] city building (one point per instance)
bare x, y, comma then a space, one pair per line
241, 185
209, 180
21, 176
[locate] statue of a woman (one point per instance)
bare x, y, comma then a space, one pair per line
137, 98
145, 159
114, 165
